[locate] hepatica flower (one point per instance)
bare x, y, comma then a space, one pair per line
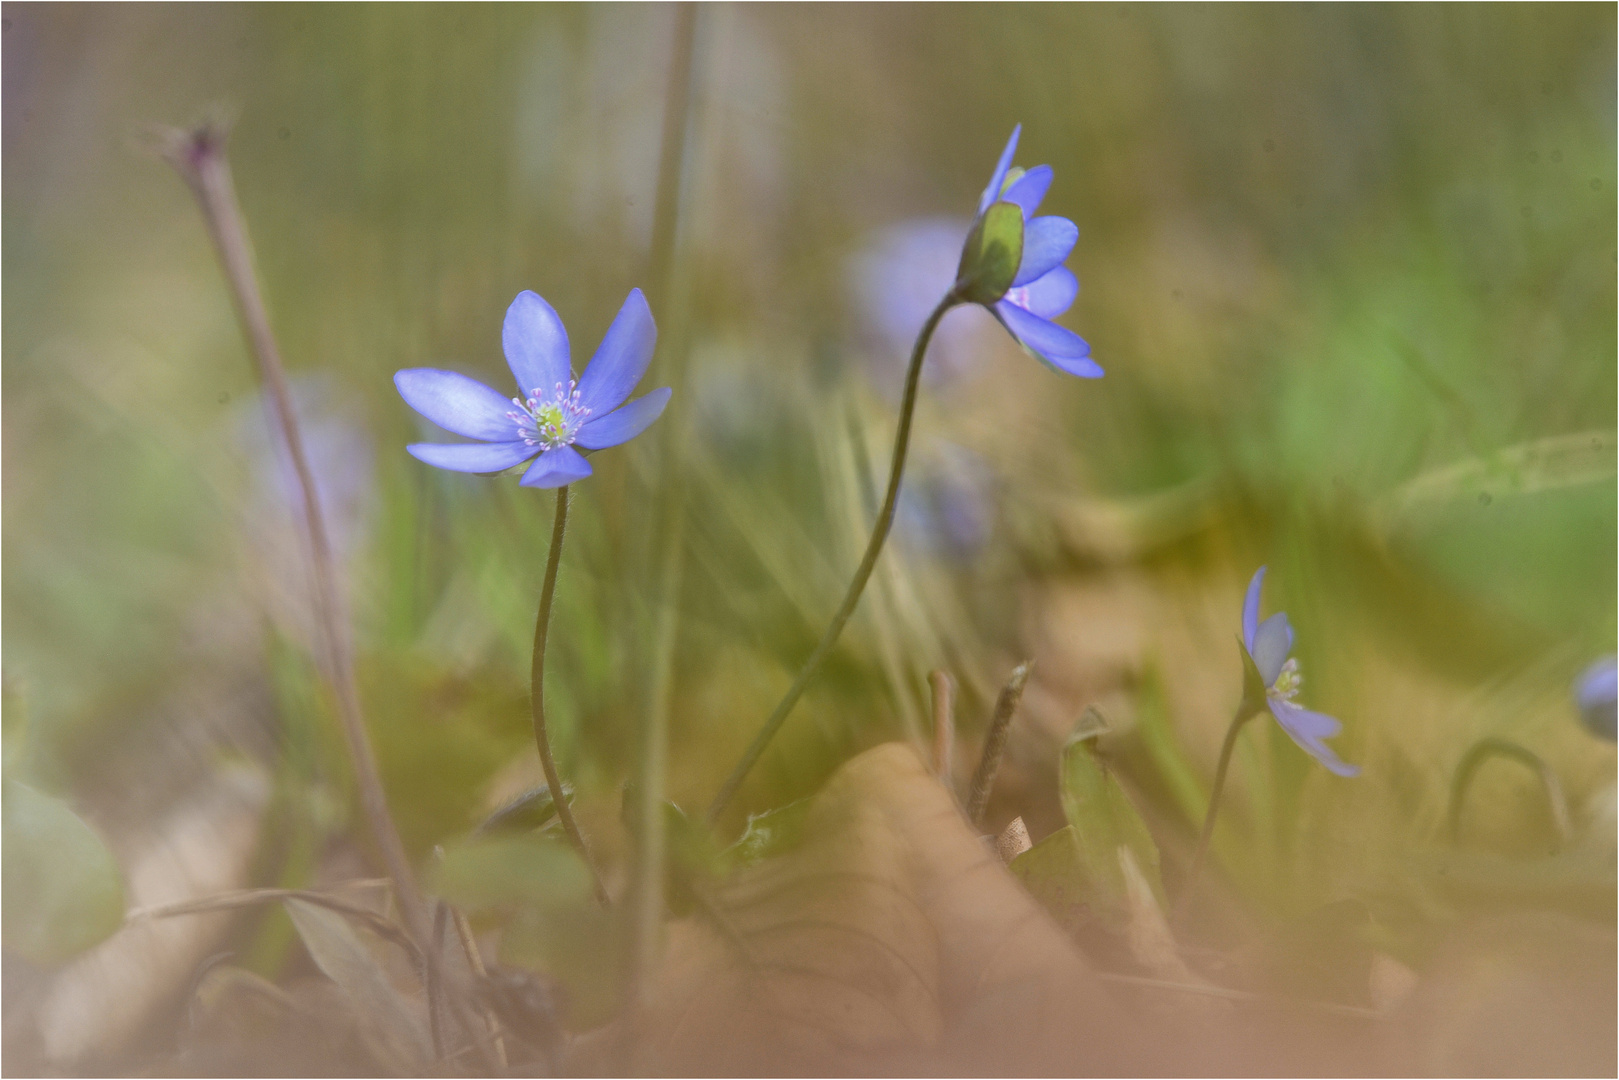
554, 414
1013, 260
1268, 644
1596, 691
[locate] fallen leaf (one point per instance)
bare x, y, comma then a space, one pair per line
892, 938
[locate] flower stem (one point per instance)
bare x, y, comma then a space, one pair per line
542, 627
1482, 751
1245, 713
199, 157
857, 585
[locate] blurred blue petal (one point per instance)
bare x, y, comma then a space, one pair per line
622, 358
1250, 610
993, 191
624, 423
1272, 642
1046, 243
536, 345
1029, 189
473, 457
457, 404
1307, 729
556, 467
1596, 691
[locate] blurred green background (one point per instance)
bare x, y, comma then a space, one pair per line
1350, 269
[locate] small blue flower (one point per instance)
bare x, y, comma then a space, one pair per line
1043, 288
556, 412
1596, 691
1268, 644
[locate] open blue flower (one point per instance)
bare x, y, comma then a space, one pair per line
1042, 288
1268, 644
556, 412
1596, 692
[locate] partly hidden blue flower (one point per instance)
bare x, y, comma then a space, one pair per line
1041, 288
1595, 691
1268, 644
555, 413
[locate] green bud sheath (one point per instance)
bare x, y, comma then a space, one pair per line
994, 250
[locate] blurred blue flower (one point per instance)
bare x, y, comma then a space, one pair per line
947, 507
896, 279
1595, 691
1269, 644
1042, 288
557, 413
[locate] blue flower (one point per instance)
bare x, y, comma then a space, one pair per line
1268, 644
1042, 288
556, 412
1595, 691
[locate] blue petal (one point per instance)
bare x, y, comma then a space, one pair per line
1047, 296
622, 358
536, 345
556, 467
1308, 729
623, 423
1046, 243
993, 191
472, 457
1061, 349
1250, 609
457, 403
1029, 189
1272, 642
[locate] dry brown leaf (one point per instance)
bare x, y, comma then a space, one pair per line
892, 939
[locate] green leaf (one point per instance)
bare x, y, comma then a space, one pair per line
992, 255
540, 891
1054, 873
1103, 821
63, 891
391, 1026
509, 873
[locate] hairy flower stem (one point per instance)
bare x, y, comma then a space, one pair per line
199, 157
857, 585
542, 627
1000, 724
1245, 713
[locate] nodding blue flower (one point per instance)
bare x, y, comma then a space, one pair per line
1268, 644
1595, 691
554, 412
1042, 288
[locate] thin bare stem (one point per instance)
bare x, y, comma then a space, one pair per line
944, 726
857, 585
241, 898
1245, 713
1482, 751
199, 157
542, 627
1000, 723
